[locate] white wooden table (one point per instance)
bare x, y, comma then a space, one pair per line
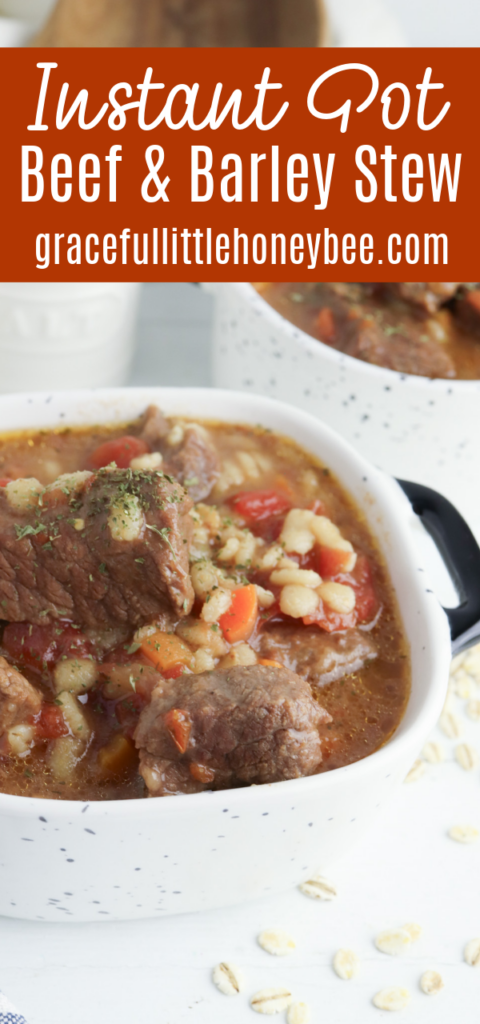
158, 972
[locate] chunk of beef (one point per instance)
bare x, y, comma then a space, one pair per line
193, 462
427, 297
153, 427
406, 349
72, 558
364, 322
19, 701
317, 656
227, 728
467, 309
163, 777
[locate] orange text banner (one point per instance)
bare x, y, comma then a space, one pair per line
185, 164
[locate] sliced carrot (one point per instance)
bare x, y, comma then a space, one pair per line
118, 755
268, 661
166, 651
325, 325
179, 726
239, 621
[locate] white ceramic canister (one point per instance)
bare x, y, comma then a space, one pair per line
33, 11
20, 18
66, 335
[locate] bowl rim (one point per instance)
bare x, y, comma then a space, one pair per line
398, 510
382, 374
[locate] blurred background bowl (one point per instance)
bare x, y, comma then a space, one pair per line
413, 427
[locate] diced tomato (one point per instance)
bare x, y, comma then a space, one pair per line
253, 506
40, 647
126, 654
51, 724
4, 480
332, 562
175, 672
366, 601
72, 643
128, 711
121, 451
179, 726
34, 646
268, 529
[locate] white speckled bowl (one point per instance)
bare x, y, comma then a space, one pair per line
64, 860
413, 427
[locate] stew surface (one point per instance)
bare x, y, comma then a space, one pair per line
431, 330
186, 606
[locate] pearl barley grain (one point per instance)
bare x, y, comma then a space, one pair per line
346, 964
228, 978
416, 771
298, 1013
433, 752
271, 1000
393, 942
466, 756
463, 833
473, 710
276, 942
318, 888
431, 983
391, 999
450, 725
471, 953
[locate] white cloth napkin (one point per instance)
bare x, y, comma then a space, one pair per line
8, 1013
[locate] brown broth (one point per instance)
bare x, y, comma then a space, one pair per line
366, 707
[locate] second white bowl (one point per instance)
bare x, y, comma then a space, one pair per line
413, 427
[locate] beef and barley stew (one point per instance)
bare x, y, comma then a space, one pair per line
431, 330
185, 606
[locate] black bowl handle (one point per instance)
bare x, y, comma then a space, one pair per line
461, 554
